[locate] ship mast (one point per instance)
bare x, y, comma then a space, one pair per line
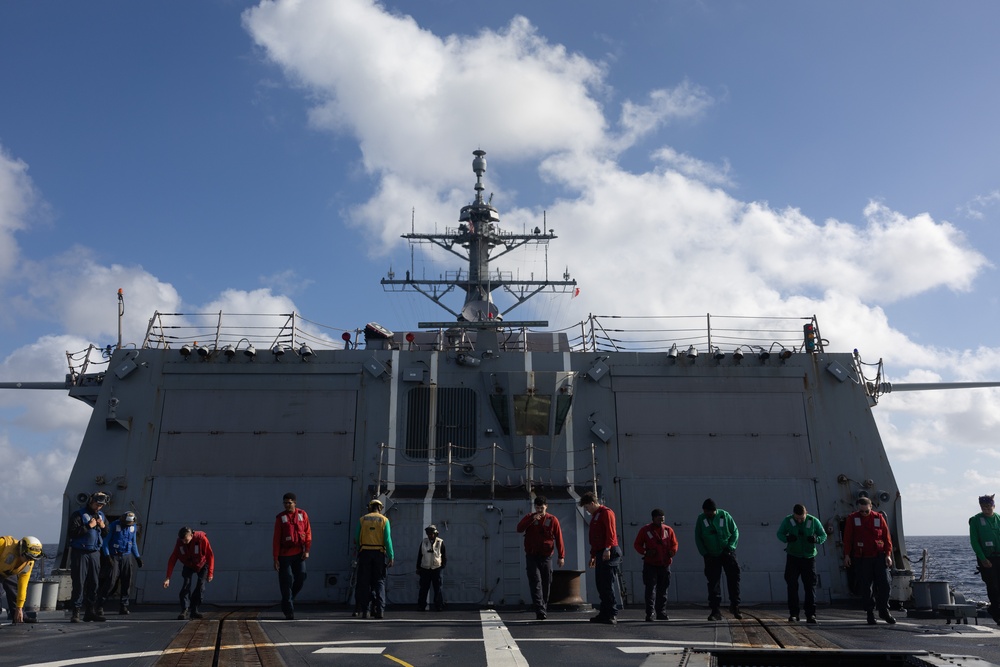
475, 239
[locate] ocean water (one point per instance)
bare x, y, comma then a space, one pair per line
949, 558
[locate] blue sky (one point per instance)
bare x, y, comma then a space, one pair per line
778, 158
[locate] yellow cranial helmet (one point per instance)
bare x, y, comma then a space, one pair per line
31, 548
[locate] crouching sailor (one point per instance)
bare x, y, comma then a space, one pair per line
17, 560
195, 554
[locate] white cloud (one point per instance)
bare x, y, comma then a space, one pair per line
974, 208
686, 101
407, 94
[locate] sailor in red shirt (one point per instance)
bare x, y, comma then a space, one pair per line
542, 537
195, 554
291, 544
605, 556
657, 544
868, 547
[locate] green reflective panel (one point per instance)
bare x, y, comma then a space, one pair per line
531, 414
499, 404
563, 401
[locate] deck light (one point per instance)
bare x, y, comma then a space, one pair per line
764, 355
673, 351
692, 352
785, 354
204, 351
305, 351
229, 351
251, 351
278, 350
719, 355
186, 350
737, 355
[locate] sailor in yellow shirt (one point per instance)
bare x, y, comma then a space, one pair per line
17, 560
374, 542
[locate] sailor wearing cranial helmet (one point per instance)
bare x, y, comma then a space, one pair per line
984, 533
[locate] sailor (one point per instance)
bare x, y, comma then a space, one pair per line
291, 544
87, 528
17, 560
373, 540
802, 533
716, 536
120, 556
657, 544
194, 552
984, 533
542, 538
431, 559
605, 556
868, 548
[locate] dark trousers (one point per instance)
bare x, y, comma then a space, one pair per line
605, 575
714, 566
656, 578
370, 591
291, 577
9, 586
191, 598
991, 577
116, 569
85, 568
797, 568
539, 570
873, 582
430, 578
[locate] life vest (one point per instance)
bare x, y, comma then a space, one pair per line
372, 533
868, 537
91, 539
121, 538
292, 529
430, 553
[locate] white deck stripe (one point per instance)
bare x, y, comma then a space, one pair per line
352, 649
501, 649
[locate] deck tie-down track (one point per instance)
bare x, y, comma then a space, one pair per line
222, 639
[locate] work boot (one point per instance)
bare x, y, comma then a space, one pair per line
183, 615
887, 617
92, 614
871, 618
715, 615
811, 619
649, 618
75, 616
123, 609
195, 613
662, 616
735, 611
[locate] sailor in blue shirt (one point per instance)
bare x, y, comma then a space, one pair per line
120, 556
87, 528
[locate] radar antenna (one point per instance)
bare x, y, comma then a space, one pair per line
475, 239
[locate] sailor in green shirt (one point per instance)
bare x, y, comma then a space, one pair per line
716, 536
984, 533
802, 533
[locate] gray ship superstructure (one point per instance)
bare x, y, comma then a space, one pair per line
213, 417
